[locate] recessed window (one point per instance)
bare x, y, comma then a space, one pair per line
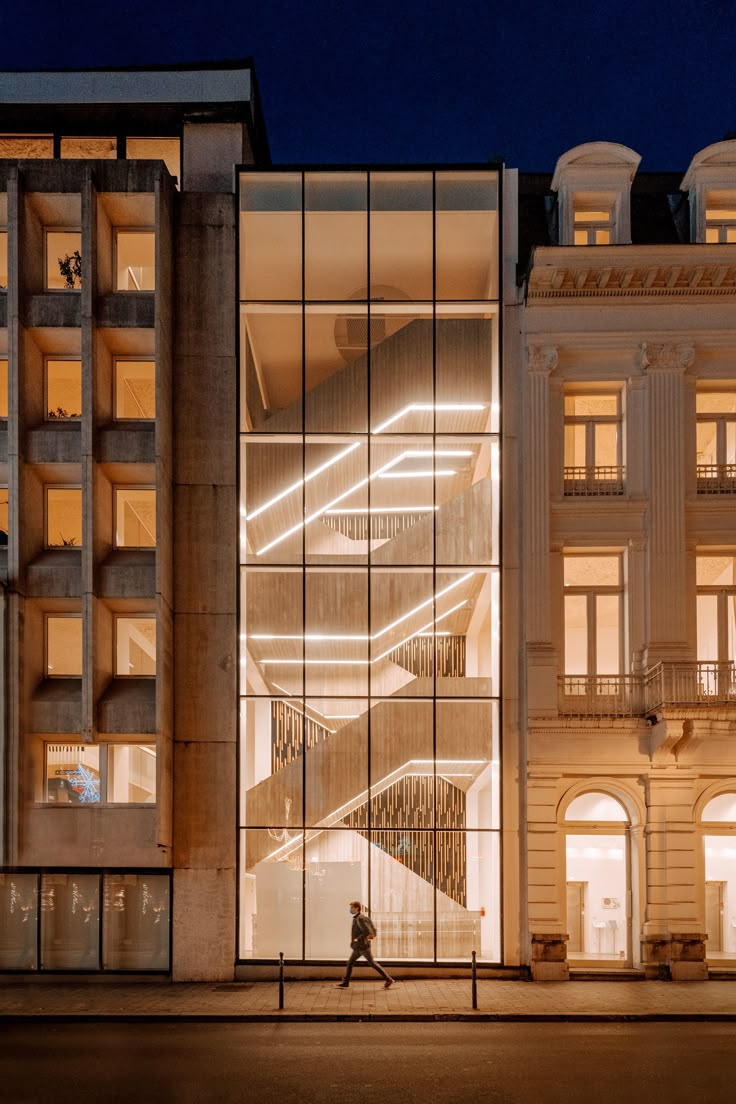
72, 774
593, 443
716, 440
131, 773
63, 389
593, 614
135, 646
63, 647
167, 150
3, 260
26, 145
592, 227
3, 516
135, 517
135, 390
3, 388
720, 224
63, 260
63, 517
716, 608
135, 263
90, 148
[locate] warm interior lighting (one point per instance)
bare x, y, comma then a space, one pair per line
300, 482
425, 407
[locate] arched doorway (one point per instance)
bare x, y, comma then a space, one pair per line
597, 882
719, 842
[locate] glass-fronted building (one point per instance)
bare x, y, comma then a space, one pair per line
369, 763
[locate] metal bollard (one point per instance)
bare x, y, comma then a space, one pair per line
281, 980
474, 982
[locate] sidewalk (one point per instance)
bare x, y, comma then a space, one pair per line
367, 1000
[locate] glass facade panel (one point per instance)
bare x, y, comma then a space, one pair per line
167, 150
3, 260
370, 632
3, 388
135, 260
576, 634
63, 389
18, 921
70, 919
73, 774
135, 646
135, 517
135, 924
63, 260
3, 516
105, 149
131, 774
63, 517
26, 145
63, 647
135, 390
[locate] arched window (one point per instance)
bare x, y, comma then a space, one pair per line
720, 876
596, 807
721, 808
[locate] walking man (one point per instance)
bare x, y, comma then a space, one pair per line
361, 934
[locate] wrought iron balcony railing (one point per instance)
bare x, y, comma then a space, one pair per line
716, 478
700, 683
600, 695
594, 480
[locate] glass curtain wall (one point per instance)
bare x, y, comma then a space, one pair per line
369, 511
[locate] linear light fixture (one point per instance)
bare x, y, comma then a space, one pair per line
375, 636
441, 408
300, 482
409, 454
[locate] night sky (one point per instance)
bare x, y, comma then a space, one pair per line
427, 81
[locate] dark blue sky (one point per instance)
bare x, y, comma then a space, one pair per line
427, 81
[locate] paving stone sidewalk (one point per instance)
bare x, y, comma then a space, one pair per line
411, 999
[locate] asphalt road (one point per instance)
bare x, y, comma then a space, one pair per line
379, 1063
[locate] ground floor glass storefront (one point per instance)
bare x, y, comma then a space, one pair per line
370, 569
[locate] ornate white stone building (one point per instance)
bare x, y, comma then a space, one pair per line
626, 587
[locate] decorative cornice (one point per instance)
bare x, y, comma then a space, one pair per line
633, 272
674, 357
542, 358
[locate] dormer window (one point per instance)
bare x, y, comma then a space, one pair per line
593, 185
592, 227
720, 222
711, 186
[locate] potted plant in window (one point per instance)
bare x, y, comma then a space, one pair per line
70, 268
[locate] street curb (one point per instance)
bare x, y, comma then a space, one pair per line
375, 1017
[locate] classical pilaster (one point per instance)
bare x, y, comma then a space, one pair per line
636, 589
542, 660
665, 366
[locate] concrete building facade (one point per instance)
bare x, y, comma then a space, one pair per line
271, 640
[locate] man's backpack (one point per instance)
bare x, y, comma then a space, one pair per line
369, 927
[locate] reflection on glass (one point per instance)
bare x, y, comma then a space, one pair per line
167, 150
63, 517
135, 517
104, 149
135, 260
63, 389
271, 896
70, 917
135, 927
131, 774
135, 646
63, 647
18, 921
64, 265
135, 390
72, 774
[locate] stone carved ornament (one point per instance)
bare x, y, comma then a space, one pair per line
542, 358
668, 358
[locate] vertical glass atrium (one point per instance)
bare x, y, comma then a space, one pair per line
369, 536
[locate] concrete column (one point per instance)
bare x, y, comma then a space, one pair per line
542, 665
205, 593
665, 366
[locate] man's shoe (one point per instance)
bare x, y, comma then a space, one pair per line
389, 983
342, 985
